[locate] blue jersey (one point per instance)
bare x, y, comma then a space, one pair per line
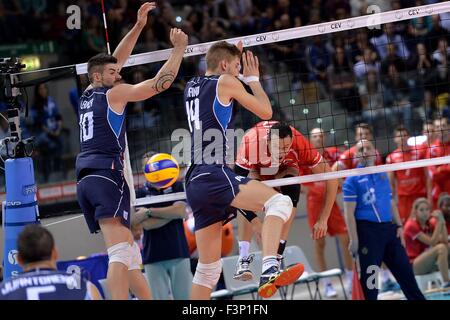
45, 284
166, 242
372, 194
208, 120
102, 132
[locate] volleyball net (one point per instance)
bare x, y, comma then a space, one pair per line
385, 69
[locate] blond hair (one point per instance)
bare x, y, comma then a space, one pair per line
416, 204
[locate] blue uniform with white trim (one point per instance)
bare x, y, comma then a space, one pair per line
377, 235
210, 185
372, 194
45, 284
101, 189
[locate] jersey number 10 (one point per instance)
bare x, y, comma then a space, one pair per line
192, 111
86, 126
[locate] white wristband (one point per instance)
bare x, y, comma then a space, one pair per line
248, 79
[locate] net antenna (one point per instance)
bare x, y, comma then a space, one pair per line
127, 163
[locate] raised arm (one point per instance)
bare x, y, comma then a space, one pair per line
231, 88
126, 46
123, 93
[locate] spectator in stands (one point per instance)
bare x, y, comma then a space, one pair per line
441, 59
336, 224
392, 58
373, 107
368, 63
407, 185
359, 45
166, 255
440, 174
342, 83
437, 32
397, 96
240, 15
47, 123
422, 74
93, 37
390, 37
426, 241
375, 229
418, 29
318, 60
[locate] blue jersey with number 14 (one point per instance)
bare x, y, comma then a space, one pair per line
102, 132
208, 120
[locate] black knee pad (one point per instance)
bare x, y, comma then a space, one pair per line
292, 191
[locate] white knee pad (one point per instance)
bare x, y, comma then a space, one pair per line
122, 253
208, 274
280, 206
136, 258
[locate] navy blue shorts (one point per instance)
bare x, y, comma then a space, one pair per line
103, 193
210, 189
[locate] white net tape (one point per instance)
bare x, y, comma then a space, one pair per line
294, 33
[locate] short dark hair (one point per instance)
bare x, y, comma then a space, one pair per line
401, 128
281, 129
35, 243
444, 196
97, 62
364, 125
219, 51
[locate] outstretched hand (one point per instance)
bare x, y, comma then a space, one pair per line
251, 64
178, 38
143, 13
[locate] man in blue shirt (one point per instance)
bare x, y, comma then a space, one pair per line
165, 253
375, 228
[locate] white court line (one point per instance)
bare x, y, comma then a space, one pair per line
64, 220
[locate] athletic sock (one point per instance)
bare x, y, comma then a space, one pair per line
281, 247
269, 262
244, 248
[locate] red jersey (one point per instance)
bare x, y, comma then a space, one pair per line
411, 181
440, 175
316, 190
253, 152
415, 247
348, 159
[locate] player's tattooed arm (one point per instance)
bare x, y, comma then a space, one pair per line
121, 94
163, 81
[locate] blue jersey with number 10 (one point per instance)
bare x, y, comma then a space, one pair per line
102, 132
208, 120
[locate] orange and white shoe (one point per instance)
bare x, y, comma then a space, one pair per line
273, 278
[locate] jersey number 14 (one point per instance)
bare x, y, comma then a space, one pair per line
192, 111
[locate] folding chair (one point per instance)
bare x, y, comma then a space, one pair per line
294, 254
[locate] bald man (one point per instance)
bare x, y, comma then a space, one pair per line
375, 227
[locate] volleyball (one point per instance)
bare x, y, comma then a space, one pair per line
161, 170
